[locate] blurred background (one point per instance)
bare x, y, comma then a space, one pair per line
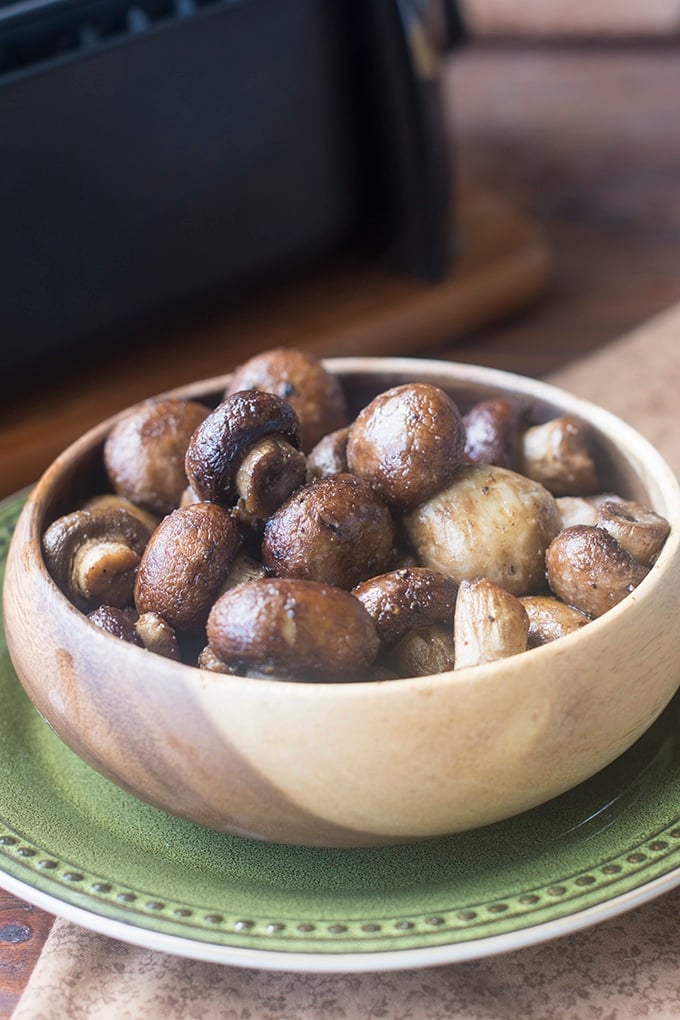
183, 182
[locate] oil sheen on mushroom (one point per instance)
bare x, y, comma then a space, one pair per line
336, 529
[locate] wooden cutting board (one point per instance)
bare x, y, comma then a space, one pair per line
347, 306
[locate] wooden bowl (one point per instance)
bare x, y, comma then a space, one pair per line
357, 763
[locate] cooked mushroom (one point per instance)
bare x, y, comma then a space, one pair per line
114, 621
489, 623
550, 619
157, 636
303, 628
588, 569
640, 530
334, 529
111, 500
557, 455
423, 651
93, 555
407, 443
244, 568
144, 452
185, 563
402, 600
329, 455
492, 432
489, 522
267, 475
209, 660
229, 434
299, 377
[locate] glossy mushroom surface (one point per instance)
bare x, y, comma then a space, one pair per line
366, 763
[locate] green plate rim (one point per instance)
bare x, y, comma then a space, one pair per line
603, 885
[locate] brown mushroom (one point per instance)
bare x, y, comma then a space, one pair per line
185, 563
588, 569
229, 434
492, 432
423, 651
93, 555
302, 628
489, 522
557, 455
244, 568
114, 621
144, 452
489, 623
407, 443
148, 631
640, 530
299, 377
334, 529
329, 455
402, 600
550, 619
111, 500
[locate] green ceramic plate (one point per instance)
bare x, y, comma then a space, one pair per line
76, 845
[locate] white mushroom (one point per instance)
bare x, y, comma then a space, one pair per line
557, 455
489, 522
641, 531
489, 623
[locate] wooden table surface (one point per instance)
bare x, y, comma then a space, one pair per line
584, 139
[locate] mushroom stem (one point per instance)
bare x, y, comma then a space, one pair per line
270, 471
158, 636
104, 571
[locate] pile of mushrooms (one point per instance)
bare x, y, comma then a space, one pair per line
276, 536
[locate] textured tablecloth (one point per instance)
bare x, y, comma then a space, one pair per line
626, 968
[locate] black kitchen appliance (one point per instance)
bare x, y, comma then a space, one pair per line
159, 153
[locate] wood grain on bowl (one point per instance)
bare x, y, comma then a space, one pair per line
355, 763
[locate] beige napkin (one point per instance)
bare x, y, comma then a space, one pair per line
626, 968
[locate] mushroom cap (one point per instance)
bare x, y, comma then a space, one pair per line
223, 438
492, 432
335, 530
144, 452
299, 377
114, 621
489, 522
110, 527
329, 455
400, 600
185, 563
293, 625
550, 618
589, 569
640, 530
407, 442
